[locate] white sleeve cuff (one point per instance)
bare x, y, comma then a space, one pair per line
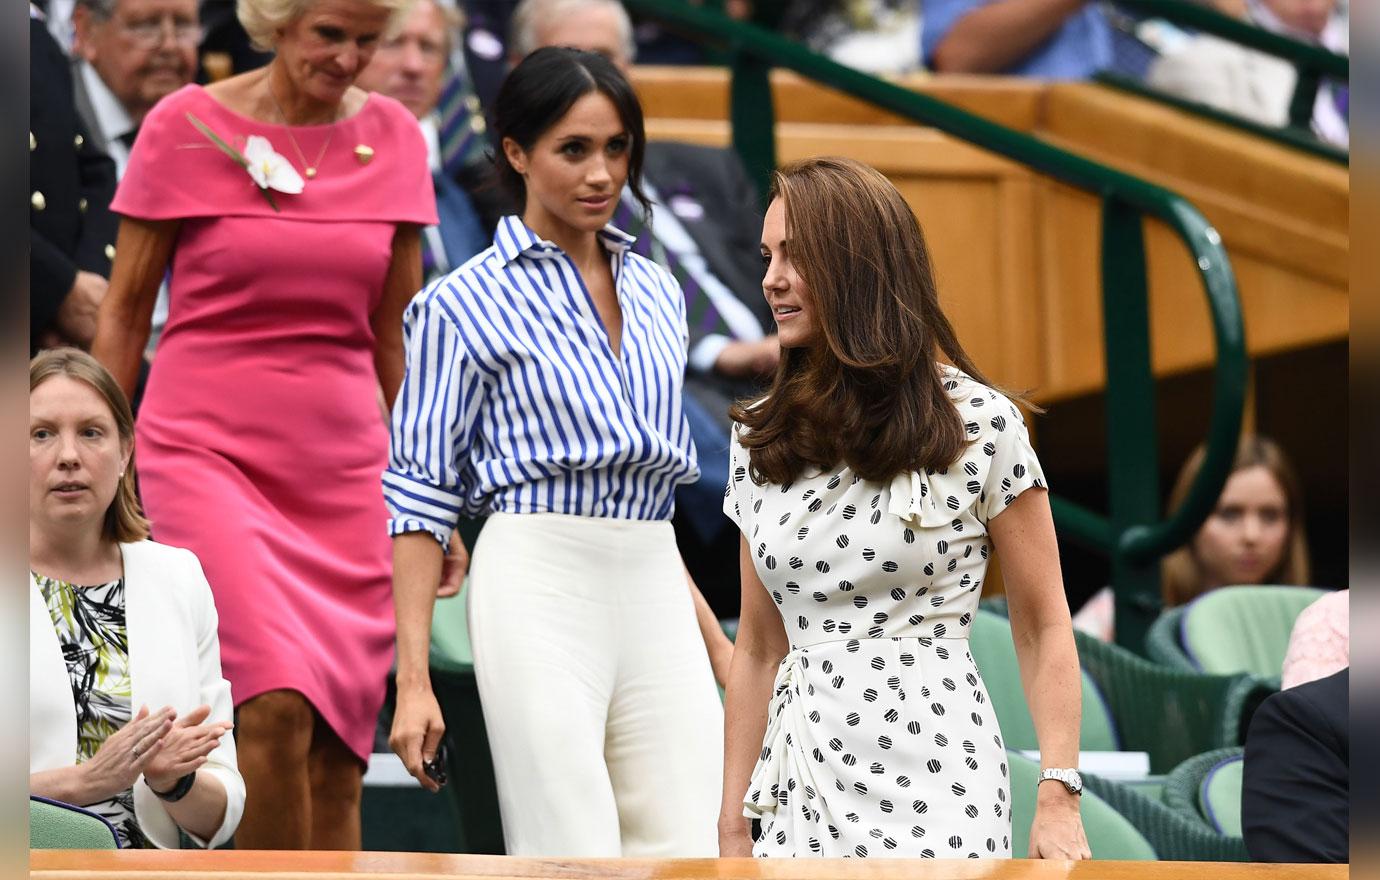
707, 351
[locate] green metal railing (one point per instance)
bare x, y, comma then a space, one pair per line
1132, 533
1312, 63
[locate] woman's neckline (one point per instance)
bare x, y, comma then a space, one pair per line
368, 101
74, 585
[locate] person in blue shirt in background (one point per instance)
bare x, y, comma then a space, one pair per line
1045, 39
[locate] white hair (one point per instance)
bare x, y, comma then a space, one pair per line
522, 29
263, 18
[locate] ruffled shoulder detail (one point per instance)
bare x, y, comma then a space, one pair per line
997, 465
373, 165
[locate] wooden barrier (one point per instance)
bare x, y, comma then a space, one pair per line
249, 865
1017, 254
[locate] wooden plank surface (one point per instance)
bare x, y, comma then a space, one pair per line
250, 865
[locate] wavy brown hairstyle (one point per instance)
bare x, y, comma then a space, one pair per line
1182, 574
124, 519
869, 393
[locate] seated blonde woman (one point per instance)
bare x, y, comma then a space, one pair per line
128, 713
1254, 534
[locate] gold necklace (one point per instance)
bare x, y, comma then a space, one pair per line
308, 168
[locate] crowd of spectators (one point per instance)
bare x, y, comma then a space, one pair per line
292, 620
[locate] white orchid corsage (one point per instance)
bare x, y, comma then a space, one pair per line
269, 169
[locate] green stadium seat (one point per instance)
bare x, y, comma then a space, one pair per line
1230, 630
989, 639
1207, 787
56, 825
1110, 835
1171, 714
1162, 641
1174, 836
1243, 629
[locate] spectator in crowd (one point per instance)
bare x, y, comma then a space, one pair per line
1295, 789
1254, 534
410, 67
71, 229
1048, 39
543, 390
260, 435
117, 622
895, 475
704, 228
880, 37
1256, 85
129, 55
1320, 642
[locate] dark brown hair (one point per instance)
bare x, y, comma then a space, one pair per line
869, 393
541, 90
1181, 574
124, 519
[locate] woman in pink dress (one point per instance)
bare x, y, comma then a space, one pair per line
261, 437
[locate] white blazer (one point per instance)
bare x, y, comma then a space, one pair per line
174, 660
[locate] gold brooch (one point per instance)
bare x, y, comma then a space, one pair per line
364, 153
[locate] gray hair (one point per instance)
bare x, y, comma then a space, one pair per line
522, 30
262, 18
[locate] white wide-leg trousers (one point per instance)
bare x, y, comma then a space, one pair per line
601, 709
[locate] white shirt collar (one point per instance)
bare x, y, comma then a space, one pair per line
112, 118
431, 133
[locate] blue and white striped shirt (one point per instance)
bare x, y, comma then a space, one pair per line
514, 402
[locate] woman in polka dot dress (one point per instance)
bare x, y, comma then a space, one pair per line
871, 485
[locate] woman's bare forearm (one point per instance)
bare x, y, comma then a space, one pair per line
67, 784
1040, 624
416, 574
716, 643
747, 696
142, 252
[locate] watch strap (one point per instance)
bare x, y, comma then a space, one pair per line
178, 791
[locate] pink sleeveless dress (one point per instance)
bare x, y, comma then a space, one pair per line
260, 441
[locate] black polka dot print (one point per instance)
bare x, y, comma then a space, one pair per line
881, 741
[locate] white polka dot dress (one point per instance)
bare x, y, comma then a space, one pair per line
880, 738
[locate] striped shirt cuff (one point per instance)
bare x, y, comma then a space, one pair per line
416, 506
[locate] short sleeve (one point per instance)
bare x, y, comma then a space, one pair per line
373, 167
429, 474
737, 502
1013, 466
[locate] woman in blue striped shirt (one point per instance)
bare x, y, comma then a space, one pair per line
543, 390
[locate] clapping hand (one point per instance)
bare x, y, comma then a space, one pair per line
186, 747
126, 753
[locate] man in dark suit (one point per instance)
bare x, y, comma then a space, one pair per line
1295, 791
410, 66
706, 227
71, 229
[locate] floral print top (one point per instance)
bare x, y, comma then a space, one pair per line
90, 626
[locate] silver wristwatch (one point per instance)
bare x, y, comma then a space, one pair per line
1067, 775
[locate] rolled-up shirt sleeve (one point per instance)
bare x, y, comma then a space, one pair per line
427, 481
